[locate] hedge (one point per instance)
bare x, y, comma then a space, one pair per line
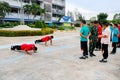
15, 33
66, 28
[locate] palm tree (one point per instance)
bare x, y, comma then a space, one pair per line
4, 9
42, 12
27, 9
36, 9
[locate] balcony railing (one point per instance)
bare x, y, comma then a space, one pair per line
18, 15
59, 2
56, 11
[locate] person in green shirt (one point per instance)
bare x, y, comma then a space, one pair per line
93, 38
84, 34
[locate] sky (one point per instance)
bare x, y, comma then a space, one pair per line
91, 8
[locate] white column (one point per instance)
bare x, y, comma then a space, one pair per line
22, 13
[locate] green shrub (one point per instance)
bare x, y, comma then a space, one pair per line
9, 24
54, 26
77, 25
39, 24
32, 25
44, 25
66, 28
61, 28
13, 33
71, 28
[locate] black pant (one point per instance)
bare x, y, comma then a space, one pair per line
98, 44
16, 47
84, 47
119, 42
38, 41
114, 47
105, 50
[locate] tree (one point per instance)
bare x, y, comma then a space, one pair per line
34, 9
70, 14
78, 15
92, 18
116, 17
4, 9
102, 17
27, 9
60, 16
42, 13
37, 10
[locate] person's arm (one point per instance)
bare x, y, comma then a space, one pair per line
82, 35
28, 52
51, 42
106, 33
89, 35
34, 51
104, 36
45, 43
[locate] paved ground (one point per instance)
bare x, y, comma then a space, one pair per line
58, 62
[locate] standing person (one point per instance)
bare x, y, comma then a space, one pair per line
111, 28
115, 33
25, 47
84, 33
45, 39
119, 36
105, 41
93, 38
98, 44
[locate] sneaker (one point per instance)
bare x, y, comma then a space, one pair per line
12, 48
103, 61
93, 54
96, 49
83, 57
112, 53
35, 42
86, 56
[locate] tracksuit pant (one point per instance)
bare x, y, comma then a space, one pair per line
92, 46
114, 44
84, 48
105, 50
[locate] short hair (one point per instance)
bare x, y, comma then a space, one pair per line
35, 48
111, 25
105, 23
52, 36
83, 21
96, 22
115, 24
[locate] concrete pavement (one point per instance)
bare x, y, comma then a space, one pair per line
58, 62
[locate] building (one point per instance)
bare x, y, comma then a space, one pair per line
54, 8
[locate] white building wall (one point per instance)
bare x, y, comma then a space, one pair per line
17, 4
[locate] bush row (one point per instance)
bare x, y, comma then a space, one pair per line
66, 28
77, 25
9, 24
14, 33
39, 24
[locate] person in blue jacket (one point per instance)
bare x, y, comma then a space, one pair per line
115, 33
